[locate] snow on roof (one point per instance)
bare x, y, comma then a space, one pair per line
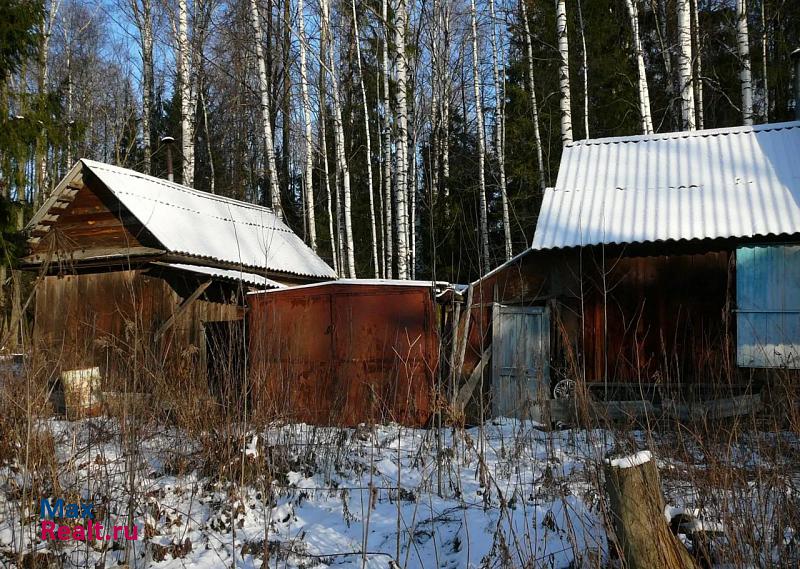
225, 274
706, 184
372, 282
202, 225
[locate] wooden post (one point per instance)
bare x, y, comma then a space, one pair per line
637, 509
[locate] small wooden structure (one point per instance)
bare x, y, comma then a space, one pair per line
344, 352
132, 269
661, 264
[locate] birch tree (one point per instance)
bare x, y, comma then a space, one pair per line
387, 147
499, 126
481, 136
45, 32
401, 143
563, 71
685, 65
188, 94
644, 92
537, 137
584, 72
368, 141
745, 76
143, 17
764, 51
266, 113
698, 60
308, 175
342, 168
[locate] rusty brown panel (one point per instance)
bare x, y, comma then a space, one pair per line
662, 318
329, 354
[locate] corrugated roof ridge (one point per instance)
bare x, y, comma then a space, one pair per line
174, 185
725, 131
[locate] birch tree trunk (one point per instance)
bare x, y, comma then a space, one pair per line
308, 176
387, 149
537, 137
745, 75
185, 83
644, 92
698, 79
563, 72
266, 114
143, 16
585, 72
685, 65
368, 140
46, 30
401, 143
323, 145
446, 91
499, 126
481, 136
342, 169
764, 60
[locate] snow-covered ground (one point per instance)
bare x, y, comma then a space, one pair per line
510, 495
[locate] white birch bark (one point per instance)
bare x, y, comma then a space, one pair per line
537, 137
401, 143
266, 122
745, 75
308, 176
143, 16
185, 84
388, 256
698, 79
644, 92
368, 141
499, 123
342, 168
563, 71
685, 65
481, 136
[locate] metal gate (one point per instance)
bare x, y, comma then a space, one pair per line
520, 354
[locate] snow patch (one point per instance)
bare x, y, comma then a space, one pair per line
630, 461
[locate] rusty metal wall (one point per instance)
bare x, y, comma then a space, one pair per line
344, 353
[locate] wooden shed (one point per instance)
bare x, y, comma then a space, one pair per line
662, 266
345, 352
129, 264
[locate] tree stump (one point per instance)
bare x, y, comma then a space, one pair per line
637, 510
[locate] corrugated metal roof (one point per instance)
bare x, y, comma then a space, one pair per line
202, 225
225, 274
732, 182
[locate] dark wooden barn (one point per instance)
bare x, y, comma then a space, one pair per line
665, 264
345, 352
129, 267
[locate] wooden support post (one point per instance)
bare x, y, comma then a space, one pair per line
466, 391
637, 509
183, 307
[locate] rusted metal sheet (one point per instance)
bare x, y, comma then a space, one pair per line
344, 353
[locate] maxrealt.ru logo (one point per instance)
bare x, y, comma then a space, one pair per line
72, 512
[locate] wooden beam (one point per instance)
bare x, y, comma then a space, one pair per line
105, 253
465, 393
183, 307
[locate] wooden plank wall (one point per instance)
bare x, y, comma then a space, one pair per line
104, 319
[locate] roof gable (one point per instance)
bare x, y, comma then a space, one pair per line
200, 225
723, 183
